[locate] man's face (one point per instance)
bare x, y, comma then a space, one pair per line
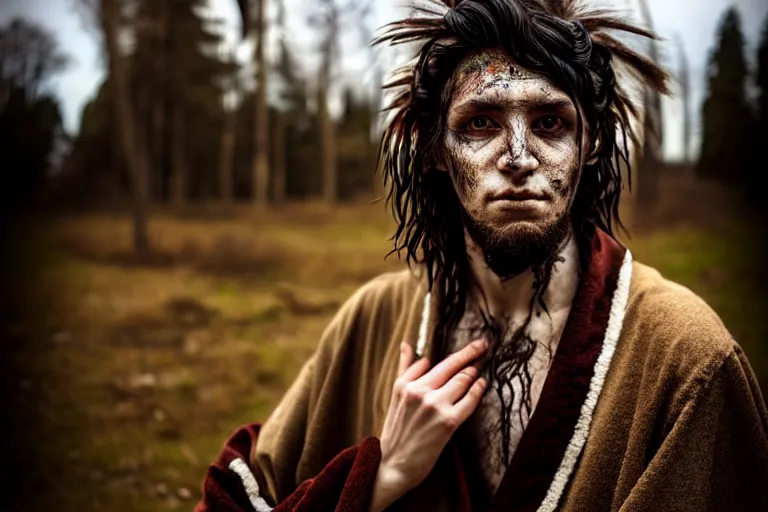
512, 150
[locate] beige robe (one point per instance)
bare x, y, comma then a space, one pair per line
658, 411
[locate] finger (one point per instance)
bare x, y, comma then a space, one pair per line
467, 405
457, 386
406, 358
451, 365
416, 370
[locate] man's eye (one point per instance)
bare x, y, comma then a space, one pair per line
480, 123
549, 123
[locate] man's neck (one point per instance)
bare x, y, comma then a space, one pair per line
512, 298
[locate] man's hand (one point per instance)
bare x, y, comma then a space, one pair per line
425, 411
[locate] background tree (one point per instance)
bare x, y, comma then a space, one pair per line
301, 166
261, 112
683, 78
29, 58
762, 108
133, 143
195, 89
288, 82
30, 118
151, 29
366, 27
650, 164
229, 104
328, 21
727, 119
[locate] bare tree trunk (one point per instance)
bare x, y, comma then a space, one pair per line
179, 166
651, 160
327, 145
117, 160
227, 156
159, 103
685, 93
379, 190
134, 148
279, 169
158, 146
261, 118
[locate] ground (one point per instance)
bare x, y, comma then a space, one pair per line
139, 368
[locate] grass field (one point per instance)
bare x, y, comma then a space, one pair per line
140, 368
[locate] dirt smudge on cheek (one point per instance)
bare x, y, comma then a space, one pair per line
464, 169
559, 162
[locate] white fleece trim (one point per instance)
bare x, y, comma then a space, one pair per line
612, 332
250, 485
422, 341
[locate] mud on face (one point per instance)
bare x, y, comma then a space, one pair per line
512, 150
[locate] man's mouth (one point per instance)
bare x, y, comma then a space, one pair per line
512, 194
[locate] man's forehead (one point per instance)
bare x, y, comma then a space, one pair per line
489, 69
496, 62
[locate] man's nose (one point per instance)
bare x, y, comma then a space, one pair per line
517, 158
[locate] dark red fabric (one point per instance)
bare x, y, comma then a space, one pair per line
222, 489
344, 485
461, 497
551, 428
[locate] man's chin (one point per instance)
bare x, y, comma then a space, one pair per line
510, 248
520, 230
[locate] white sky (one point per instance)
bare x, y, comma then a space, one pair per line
694, 21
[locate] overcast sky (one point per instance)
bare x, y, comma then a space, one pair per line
694, 21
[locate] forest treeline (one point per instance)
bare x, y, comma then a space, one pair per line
201, 130
178, 120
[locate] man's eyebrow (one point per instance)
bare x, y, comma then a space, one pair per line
494, 105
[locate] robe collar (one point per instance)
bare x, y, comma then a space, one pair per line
541, 467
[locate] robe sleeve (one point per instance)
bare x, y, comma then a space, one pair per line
345, 485
306, 456
714, 456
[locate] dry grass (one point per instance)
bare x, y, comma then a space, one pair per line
142, 367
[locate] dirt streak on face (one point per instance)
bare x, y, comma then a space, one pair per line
511, 145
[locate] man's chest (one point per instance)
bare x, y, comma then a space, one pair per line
494, 431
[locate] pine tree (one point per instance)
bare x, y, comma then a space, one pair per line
261, 109
356, 149
762, 84
293, 106
727, 119
179, 75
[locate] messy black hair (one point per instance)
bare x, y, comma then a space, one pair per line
570, 46
558, 39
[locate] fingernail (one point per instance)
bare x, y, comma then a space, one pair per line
481, 344
403, 346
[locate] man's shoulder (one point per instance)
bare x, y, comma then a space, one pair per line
389, 290
670, 323
401, 282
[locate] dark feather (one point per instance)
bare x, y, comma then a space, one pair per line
648, 71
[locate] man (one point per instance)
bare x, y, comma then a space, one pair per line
524, 362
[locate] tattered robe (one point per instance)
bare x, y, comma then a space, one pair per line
649, 405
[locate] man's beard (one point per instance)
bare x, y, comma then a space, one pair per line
510, 253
